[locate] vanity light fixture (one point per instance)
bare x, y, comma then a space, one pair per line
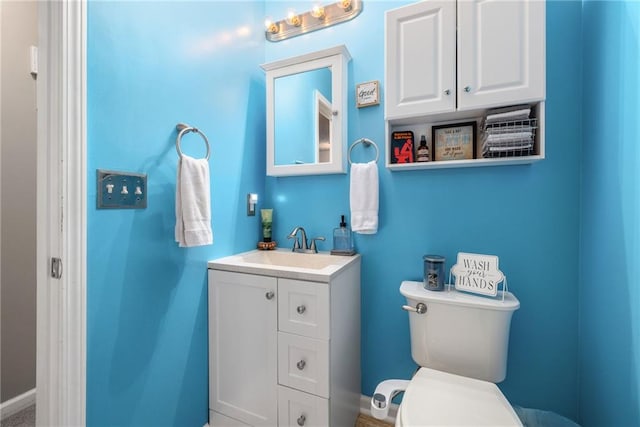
317, 18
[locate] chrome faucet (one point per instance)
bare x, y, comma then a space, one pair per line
296, 243
304, 247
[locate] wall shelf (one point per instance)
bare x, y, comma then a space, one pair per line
504, 161
422, 126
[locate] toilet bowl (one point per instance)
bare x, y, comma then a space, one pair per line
460, 341
441, 399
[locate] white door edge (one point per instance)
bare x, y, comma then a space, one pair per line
61, 180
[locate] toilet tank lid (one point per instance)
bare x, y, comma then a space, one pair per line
416, 291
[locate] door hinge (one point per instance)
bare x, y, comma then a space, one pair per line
56, 268
33, 53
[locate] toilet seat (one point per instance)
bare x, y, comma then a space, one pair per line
439, 398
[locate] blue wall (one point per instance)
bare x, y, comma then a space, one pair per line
150, 66
527, 215
610, 245
154, 64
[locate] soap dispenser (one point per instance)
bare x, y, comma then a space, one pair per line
342, 240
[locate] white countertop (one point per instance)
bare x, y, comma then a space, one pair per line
320, 267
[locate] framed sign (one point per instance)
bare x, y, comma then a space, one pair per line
477, 273
402, 147
368, 94
454, 141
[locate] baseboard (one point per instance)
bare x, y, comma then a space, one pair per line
17, 404
365, 408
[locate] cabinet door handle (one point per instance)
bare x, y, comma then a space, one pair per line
467, 88
301, 309
301, 420
269, 295
301, 364
447, 92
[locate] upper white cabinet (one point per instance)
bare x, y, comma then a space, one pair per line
501, 52
500, 56
473, 67
421, 59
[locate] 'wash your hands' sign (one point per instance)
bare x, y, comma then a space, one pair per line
477, 273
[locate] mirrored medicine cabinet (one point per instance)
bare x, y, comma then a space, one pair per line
307, 113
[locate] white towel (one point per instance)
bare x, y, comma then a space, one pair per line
363, 198
510, 115
193, 205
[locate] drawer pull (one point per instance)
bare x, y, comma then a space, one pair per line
301, 420
301, 364
301, 309
269, 295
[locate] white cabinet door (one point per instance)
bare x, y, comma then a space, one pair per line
501, 52
420, 59
243, 347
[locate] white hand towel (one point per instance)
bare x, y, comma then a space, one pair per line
193, 205
363, 198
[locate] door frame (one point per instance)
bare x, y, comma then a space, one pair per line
61, 214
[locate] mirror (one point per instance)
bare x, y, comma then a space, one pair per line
306, 113
302, 118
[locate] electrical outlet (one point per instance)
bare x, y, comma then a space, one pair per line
121, 190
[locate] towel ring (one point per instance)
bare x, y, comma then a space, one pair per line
367, 142
184, 129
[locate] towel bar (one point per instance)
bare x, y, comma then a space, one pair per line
366, 142
184, 129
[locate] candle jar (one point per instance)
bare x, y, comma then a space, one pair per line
433, 272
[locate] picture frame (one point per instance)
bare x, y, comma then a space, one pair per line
455, 141
368, 94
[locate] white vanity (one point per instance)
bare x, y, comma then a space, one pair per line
284, 339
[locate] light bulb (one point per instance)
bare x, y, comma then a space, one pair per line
318, 12
271, 26
344, 4
293, 19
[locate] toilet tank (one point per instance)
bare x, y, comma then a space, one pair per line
460, 333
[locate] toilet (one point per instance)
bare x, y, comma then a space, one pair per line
461, 342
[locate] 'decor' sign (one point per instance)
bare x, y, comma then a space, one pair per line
477, 273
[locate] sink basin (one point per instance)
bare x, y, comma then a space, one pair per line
285, 263
290, 259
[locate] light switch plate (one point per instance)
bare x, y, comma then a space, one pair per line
121, 190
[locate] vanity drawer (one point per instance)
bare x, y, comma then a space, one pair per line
296, 408
303, 308
303, 363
